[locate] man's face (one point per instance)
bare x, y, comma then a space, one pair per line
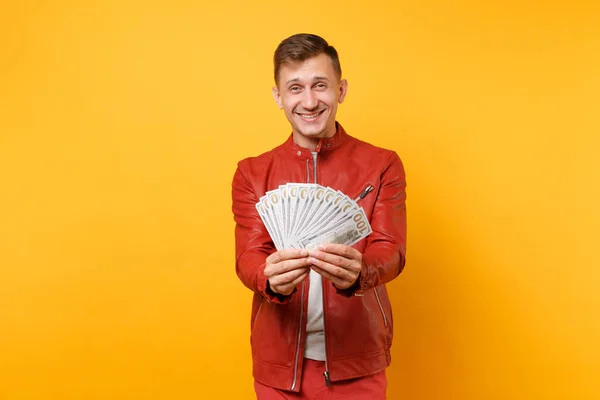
309, 93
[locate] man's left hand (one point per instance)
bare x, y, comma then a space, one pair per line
339, 263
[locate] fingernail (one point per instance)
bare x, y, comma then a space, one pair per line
321, 247
303, 253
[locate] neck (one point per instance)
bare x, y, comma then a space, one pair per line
311, 142
306, 142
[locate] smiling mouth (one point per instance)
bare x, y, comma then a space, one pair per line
310, 116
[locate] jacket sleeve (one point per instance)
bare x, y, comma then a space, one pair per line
384, 254
253, 243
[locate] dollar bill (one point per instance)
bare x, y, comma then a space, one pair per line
304, 215
348, 233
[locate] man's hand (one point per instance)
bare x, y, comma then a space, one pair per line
339, 263
285, 269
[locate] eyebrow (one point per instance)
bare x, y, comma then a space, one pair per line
316, 78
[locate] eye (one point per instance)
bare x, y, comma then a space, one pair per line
320, 86
295, 88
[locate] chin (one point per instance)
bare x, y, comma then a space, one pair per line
312, 134
312, 131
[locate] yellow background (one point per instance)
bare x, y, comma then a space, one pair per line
120, 127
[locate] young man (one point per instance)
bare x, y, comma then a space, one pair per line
321, 319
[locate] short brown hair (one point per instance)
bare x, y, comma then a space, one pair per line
301, 47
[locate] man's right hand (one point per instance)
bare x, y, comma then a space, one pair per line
285, 269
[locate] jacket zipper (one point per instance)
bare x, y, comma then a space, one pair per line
258, 312
301, 310
380, 306
326, 372
299, 337
361, 196
307, 172
365, 192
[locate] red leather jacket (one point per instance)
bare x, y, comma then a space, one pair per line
358, 321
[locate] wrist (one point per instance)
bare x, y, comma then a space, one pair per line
350, 290
272, 294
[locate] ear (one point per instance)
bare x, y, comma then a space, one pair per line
343, 90
277, 97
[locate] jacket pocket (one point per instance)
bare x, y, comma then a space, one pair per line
368, 189
385, 319
262, 300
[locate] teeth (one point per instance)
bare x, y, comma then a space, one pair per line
310, 116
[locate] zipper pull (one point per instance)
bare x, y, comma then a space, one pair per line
327, 381
365, 192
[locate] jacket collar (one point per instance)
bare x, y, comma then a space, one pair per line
324, 145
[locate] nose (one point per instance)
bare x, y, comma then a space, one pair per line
309, 100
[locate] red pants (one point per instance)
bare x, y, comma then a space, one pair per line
371, 387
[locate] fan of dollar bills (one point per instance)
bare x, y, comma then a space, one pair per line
303, 216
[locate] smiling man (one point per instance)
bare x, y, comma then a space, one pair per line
309, 93
321, 324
